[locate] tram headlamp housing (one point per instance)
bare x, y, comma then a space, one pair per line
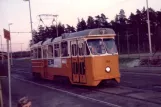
108, 69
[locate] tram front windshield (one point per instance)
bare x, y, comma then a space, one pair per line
96, 46
110, 46
102, 46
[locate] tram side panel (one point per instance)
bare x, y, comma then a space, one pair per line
38, 67
58, 67
89, 72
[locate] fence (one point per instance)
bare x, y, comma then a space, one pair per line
129, 45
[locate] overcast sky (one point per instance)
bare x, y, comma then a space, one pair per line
17, 12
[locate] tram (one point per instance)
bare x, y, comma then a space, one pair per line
86, 57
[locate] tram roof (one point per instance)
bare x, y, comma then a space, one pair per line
51, 40
89, 32
36, 45
48, 41
57, 39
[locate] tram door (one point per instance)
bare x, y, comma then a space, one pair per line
44, 62
74, 61
78, 69
81, 61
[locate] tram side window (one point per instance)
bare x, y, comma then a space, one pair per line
87, 52
32, 53
81, 49
50, 51
56, 50
39, 53
74, 50
44, 52
35, 54
64, 49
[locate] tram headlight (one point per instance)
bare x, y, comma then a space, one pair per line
108, 69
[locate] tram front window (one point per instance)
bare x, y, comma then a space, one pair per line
110, 46
96, 46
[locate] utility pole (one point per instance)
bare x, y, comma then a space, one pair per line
57, 26
10, 44
9, 74
7, 37
118, 42
138, 41
127, 35
1, 51
149, 32
30, 19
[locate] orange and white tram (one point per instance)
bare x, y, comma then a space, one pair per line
86, 57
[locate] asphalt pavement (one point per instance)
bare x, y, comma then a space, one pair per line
147, 78
42, 96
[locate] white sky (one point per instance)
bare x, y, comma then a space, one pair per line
17, 12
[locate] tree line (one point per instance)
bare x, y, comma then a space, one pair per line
132, 31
